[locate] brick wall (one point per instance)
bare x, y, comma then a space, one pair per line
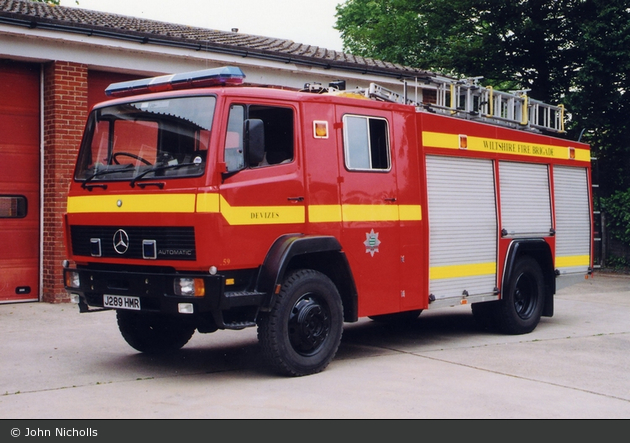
65, 109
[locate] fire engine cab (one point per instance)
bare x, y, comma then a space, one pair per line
199, 204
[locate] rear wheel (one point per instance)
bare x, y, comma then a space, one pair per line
302, 332
521, 307
485, 314
154, 333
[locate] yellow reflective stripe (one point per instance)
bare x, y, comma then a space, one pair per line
213, 203
132, 203
249, 215
361, 213
208, 203
513, 147
354, 213
469, 270
324, 213
410, 212
573, 260
261, 215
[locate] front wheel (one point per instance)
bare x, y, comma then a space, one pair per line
302, 332
154, 333
523, 298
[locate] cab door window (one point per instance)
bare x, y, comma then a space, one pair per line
234, 150
278, 123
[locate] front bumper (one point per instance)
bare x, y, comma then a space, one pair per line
229, 309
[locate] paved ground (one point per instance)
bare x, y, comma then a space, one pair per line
57, 363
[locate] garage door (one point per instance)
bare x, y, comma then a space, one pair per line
99, 80
19, 182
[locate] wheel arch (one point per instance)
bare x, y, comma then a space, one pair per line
540, 251
321, 253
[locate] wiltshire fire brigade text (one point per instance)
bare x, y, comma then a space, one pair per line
517, 148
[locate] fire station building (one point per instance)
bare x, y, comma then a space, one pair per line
55, 63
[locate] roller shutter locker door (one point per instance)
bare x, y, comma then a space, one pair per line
463, 226
573, 220
525, 199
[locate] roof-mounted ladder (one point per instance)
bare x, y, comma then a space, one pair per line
467, 99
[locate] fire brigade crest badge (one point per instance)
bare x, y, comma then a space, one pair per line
371, 242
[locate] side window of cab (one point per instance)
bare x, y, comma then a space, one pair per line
366, 143
258, 136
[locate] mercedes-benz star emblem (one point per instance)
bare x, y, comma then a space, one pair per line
121, 241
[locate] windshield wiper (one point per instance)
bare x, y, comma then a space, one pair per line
140, 176
85, 184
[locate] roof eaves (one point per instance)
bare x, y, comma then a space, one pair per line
90, 23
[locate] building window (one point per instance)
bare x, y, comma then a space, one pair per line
12, 206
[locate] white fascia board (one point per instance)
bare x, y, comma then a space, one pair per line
101, 53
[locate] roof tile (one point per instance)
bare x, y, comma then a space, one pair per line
29, 13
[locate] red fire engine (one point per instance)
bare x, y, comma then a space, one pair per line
201, 204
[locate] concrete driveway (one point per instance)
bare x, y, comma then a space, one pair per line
58, 364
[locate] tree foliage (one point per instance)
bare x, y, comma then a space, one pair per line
575, 52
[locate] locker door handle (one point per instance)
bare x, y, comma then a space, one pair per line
296, 199
390, 199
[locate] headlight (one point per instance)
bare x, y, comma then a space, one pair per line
73, 280
189, 287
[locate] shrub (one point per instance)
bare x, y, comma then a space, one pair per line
617, 210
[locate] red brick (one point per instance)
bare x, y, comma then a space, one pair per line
65, 109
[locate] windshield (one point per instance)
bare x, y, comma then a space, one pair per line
147, 139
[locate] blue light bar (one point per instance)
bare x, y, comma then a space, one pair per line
228, 75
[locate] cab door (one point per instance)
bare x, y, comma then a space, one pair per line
369, 209
261, 196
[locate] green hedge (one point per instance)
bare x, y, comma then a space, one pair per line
617, 210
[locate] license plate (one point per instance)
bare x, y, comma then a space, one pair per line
121, 302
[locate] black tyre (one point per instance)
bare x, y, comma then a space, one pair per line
485, 314
521, 307
154, 333
397, 318
302, 332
